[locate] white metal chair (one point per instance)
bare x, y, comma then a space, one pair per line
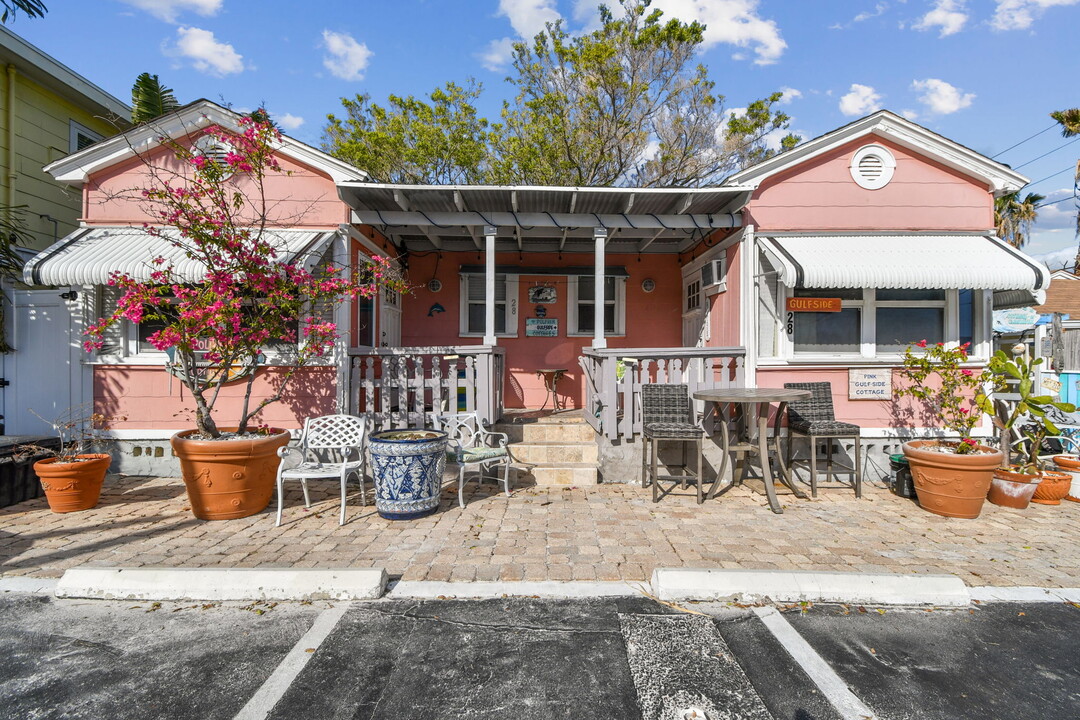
471, 445
331, 446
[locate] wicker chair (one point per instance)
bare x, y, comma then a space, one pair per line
815, 420
666, 414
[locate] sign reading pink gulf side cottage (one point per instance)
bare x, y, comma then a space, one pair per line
819, 264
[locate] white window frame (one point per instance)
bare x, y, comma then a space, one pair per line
572, 308
979, 352
76, 129
692, 294
511, 282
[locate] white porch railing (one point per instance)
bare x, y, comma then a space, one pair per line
410, 386
613, 395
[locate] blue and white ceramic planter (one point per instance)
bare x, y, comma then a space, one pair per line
408, 473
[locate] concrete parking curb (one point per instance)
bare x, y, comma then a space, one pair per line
28, 585
990, 594
793, 586
222, 584
542, 589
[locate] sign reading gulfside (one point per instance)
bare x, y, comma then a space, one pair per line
869, 383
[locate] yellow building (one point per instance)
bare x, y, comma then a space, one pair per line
47, 111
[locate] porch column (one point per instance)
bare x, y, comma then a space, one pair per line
489, 286
600, 239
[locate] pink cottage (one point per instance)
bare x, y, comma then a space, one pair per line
611, 287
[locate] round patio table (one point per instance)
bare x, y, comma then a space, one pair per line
551, 377
751, 406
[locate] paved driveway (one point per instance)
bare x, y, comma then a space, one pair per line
620, 658
607, 532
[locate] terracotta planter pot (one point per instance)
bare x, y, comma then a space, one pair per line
1012, 489
948, 484
1070, 464
228, 479
1052, 488
73, 486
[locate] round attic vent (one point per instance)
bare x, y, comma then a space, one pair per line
872, 167
214, 151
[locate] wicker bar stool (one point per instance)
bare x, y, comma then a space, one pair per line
815, 420
667, 415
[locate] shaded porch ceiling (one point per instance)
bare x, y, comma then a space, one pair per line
544, 219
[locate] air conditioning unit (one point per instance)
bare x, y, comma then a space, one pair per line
714, 272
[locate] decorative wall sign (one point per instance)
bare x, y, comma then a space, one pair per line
648, 284
807, 304
541, 327
543, 294
434, 285
540, 311
869, 383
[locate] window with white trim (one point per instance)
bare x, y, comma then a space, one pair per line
81, 137
881, 323
693, 296
581, 304
474, 305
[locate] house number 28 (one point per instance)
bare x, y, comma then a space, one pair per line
790, 324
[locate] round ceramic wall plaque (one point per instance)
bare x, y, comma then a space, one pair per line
648, 284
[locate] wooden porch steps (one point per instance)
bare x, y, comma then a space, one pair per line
554, 449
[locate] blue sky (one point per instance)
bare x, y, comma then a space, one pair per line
985, 73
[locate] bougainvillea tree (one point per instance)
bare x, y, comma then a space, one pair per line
214, 209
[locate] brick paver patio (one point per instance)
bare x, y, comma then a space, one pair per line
607, 532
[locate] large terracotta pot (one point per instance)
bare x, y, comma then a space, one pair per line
1012, 489
228, 479
949, 484
71, 486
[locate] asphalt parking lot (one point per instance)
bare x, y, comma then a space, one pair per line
531, 658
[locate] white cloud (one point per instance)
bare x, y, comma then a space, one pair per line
528, 17
1058, 259
880, 8
289, 121
731, 22
910, 114
346, 58
940, 97
949, 15
1020, 14
860, 100
169, 10
1060, 215
790, 95
498, 54
206, 53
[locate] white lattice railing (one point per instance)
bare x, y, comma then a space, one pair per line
614, 377
409, 386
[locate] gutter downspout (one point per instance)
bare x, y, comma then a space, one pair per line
9, 155
748, 301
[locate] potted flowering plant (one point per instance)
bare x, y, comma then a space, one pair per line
73, 477
951, 477
1016, 484
215, 327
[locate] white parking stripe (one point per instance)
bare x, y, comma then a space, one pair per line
267, 696
831, 685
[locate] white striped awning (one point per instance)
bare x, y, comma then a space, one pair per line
89, 256
904, 261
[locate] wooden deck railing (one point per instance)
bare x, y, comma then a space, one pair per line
410, 386
614, 377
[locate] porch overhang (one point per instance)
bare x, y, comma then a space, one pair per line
911, 261
90, 255
544, 219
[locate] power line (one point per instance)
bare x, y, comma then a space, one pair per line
1025, 140
1055, 202
1070, 142
1059, 172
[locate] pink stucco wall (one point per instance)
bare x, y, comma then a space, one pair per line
820, 195
301, 197
652, 319
147, 397
724, 311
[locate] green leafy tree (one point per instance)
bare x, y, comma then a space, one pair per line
1014, 215
30, 8
439, 141
150, 99
1069, 120
624, 104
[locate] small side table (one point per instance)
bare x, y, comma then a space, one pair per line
551, 377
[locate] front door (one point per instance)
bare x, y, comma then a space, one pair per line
44, 370
390, 322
